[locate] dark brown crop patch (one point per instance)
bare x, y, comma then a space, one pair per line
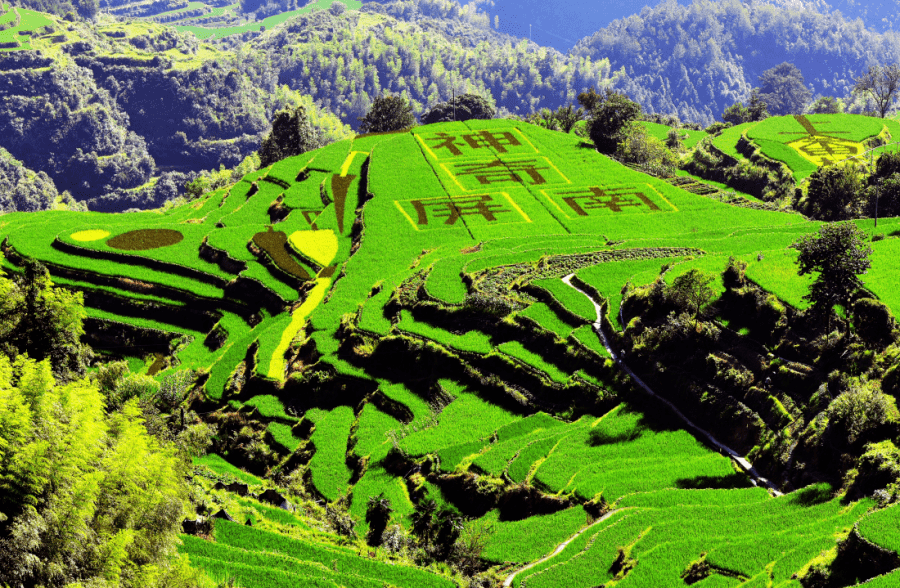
144, 239
275, 244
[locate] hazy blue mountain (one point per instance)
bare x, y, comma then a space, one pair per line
560, 24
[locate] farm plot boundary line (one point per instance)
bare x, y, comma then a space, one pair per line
558, 550
734, 455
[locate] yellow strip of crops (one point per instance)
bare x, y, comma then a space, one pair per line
92, 235
320, 246
346, 167
298, 319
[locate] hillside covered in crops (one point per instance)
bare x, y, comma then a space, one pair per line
467, 343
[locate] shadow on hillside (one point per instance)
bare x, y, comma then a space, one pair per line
812, 495
597, 437
733, 480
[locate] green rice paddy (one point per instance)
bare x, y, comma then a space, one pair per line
500, 205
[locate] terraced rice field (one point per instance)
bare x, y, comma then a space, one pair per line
806, 142
433, 323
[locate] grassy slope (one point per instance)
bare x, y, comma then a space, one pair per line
534, 221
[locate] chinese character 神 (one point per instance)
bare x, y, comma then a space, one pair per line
596, 198
453, 208
498, 141
499, 171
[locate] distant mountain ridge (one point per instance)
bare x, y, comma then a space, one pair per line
694, 61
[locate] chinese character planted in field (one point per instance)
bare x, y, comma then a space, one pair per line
496, 172
478, 140
584, 200
451, 209
826, 150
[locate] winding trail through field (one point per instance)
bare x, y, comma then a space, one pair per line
509, 579
740, 460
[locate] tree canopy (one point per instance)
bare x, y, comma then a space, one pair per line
462, 107
292, 134
756, 110
881, 84
85, 496
388, 113
43, 321
826, 105
609, 120
838, 253
783, 90
834, 193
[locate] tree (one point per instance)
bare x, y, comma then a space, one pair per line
43, 321
378, 514
388, 113
674, 140
590, 99
88, 498
423, 518
858, 411
642, 148
609, 120
835, 193
462, 107
881, 84
337, 8
470, 545
783, 90
838, 253
693, 291
756, 110
566, 117
826, 105
292, 134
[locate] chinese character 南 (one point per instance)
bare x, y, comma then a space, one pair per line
594, 198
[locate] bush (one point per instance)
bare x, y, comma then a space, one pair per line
858, 411
462, 107
641, 148
717, 127
874, 321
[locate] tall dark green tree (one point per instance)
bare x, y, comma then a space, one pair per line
693, 291
839, 255
783, 90
756, 109
836, 192
378, 514
388, 113
292, 134
462, 107
610, 118
43, 321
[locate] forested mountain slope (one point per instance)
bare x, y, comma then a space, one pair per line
697, 60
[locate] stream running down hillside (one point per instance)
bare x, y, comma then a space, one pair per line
745, 465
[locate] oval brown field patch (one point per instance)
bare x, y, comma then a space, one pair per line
143, 239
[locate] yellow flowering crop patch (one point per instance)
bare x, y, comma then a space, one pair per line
298, 319
90, 235
320, 246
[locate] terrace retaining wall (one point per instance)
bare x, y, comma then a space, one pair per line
154, 264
